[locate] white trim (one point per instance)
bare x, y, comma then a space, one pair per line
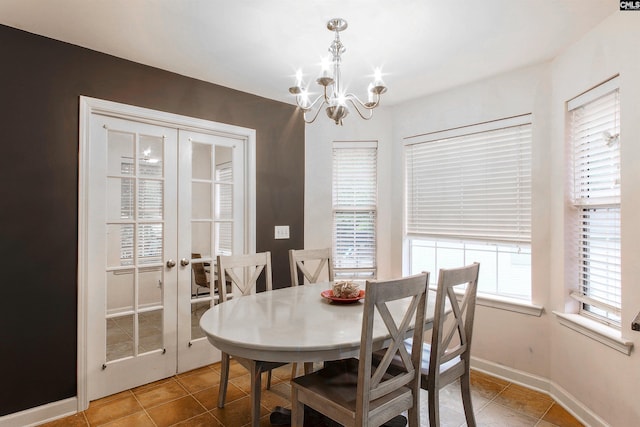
594, 93
565, 399
522, 119
509, 304
89, 106
578, 296
502, 303
41, 414
595, 330
355, 144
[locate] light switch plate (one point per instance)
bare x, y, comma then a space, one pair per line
281, 232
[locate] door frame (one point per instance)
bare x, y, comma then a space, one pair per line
90, 106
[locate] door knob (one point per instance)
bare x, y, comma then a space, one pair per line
184, 262
171, 263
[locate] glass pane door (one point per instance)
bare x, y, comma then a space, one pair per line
134, 244
215, 172
133, 230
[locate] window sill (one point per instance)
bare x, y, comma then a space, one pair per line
596, 331
504, 303
509, 304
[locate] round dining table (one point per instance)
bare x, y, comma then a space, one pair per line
295, 324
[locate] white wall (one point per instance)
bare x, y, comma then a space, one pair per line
506, 338
603, 379
319, 137
592, 380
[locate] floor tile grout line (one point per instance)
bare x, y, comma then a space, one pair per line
538, 420
144, 409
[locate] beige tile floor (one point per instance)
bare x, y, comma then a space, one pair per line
190, 399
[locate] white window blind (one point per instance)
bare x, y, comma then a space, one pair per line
472, 183
149, 201
224, 209
595, 140
354, 209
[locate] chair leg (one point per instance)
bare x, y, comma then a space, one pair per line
224, 379
465, 389
268, 380
434, 407
297, 409
256, 384
414, 411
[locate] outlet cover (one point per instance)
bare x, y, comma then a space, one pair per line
281, 232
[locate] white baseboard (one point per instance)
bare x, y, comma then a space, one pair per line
559, 394
41, 414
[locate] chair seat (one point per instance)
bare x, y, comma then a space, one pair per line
337, 383
396, 364
426, 357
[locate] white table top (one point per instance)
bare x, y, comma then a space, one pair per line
294, 324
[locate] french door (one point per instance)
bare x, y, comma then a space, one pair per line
161, 202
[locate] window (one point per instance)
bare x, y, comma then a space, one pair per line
468, 198
224, 209
354, 209
594, 125
149, 198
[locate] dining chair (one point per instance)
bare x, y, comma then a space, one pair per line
241, 272
370, 395
305, 260
199, 273
450, 348
311, 263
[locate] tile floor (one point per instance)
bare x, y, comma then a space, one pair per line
190, 399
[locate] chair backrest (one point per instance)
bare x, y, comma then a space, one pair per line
199, 273
454, 341
372, 381
305, 259
242, 272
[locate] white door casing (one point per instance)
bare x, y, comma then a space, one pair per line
179, 351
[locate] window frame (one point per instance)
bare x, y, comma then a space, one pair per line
590, 205
363, 210
490, 131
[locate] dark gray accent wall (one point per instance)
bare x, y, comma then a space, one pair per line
41, 81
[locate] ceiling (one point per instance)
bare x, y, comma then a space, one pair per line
422, 46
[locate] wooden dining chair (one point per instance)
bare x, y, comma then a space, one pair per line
371, 396
199, 273
242, 273
311, 263
450, 348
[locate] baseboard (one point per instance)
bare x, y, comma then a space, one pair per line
559, 394
41, 414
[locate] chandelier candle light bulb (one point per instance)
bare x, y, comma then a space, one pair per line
333, 95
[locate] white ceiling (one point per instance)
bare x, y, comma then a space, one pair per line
422, 46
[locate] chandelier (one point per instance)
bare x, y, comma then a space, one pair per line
333, 95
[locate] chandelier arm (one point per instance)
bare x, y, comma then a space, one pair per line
367, 105
310, 107
315, 116
355, 106
355, 101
